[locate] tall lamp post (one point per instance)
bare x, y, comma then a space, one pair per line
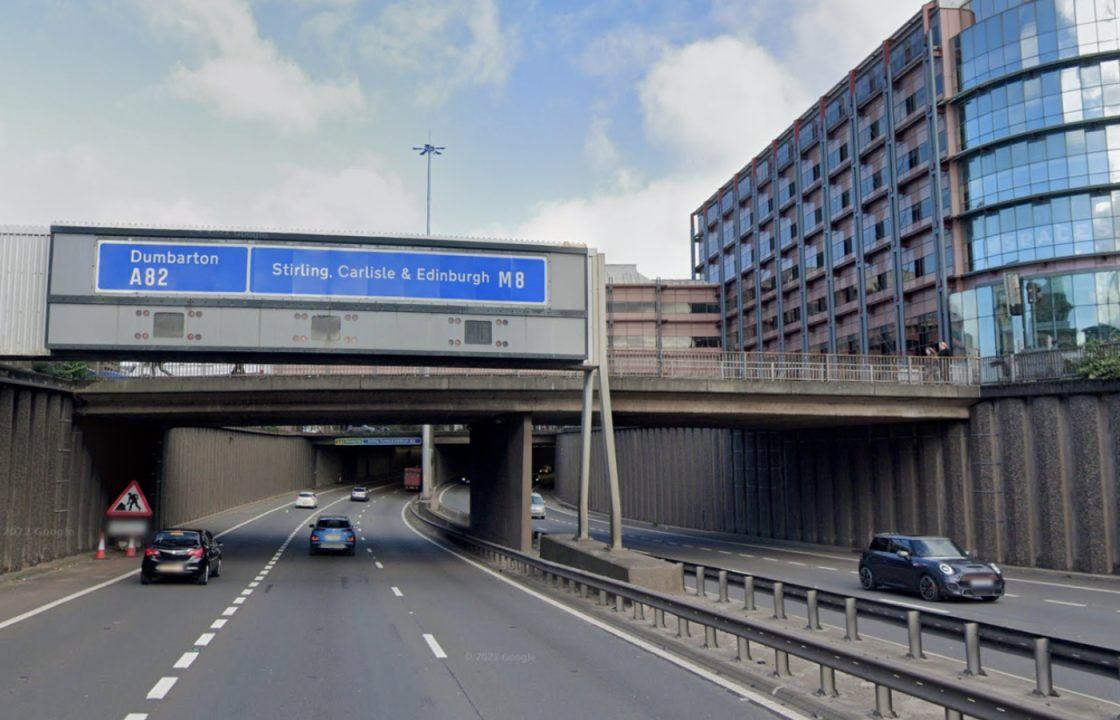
427, 151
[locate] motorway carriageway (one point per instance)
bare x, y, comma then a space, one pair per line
406, 629
1086, 610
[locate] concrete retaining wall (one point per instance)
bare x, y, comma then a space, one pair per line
51, 495
206, 471
1027, 480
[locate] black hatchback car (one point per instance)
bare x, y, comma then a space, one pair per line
187, 554
934, 567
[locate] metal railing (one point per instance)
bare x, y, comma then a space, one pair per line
1037, 365
1080, 655
683, 364
907, 676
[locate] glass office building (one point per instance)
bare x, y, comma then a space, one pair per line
962, 183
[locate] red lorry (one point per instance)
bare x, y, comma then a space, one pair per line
412, 478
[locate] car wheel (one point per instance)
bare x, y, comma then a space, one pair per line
145, 579
867, 578
204, 576
927, 588
217, 568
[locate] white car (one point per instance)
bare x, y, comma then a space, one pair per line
537, 507
307, 500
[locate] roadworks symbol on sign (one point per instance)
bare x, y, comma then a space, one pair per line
131, 503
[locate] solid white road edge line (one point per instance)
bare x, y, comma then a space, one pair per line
711, 677
434, 645
161, 688
64, 600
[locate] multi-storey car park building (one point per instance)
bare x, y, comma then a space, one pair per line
985, 213
658, 314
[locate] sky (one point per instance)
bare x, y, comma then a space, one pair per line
604, 122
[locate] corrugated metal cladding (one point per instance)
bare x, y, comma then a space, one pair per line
206, 471
996, 483
24, 255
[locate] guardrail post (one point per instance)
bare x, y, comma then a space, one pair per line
884, 703
951, 714
748, 593
972, 649
828, 683
619, 604
812, 611
742, 649
851, 620
659, 618
914, 630
634, 605
781, 662
779, 601
1044, 684
710, 637
723, 586
602, 596
701, 581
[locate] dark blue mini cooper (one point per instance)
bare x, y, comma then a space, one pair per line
934, 567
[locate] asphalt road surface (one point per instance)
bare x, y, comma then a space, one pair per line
405, 629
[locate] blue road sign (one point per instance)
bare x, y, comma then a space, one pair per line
171, 268
393, 274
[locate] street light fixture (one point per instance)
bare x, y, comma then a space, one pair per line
428, 150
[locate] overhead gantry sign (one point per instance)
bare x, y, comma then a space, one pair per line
193, 293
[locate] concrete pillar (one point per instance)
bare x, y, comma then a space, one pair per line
7, 481
844, 503
958, 486
931, 480
1093, 519
987, 486
501, 480
1051, 446
864, 525
825, 494
906, 481
1020, 482
427, 472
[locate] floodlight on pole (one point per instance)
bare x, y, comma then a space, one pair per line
428, 150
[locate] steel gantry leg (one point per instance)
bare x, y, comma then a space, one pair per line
612, 459
582, 532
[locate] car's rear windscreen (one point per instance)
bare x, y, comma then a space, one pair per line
176, 539
333, 523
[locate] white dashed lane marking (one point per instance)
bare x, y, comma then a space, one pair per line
247, 592
397, 591
1063, 602
239, 601
161, 688
794, 562
218, 624
434, 645
204, 639
185, 660
379, 566
136, 716
229, 610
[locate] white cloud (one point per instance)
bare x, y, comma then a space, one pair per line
716, 103
359, 198
244, 76
445, 44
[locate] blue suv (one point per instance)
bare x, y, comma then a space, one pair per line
934, 567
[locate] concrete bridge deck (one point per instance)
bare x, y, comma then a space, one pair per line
555, 398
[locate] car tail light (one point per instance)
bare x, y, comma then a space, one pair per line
150, 552
195, 552
314, 537
350, 538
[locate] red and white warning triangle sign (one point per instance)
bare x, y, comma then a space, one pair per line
131, 503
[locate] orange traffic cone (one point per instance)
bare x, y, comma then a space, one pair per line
130, 551
100, 554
